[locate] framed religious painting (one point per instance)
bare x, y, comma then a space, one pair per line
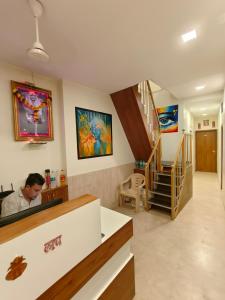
32, 107
94, 133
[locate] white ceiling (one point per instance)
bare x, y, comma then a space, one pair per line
113, 44
207, 104
154, 87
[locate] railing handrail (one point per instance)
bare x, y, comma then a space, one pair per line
153, 151
148, 172
178, 151
153, 104
184, 153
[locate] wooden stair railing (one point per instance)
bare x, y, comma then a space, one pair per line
182, 161
152, 166
154, 162
144, 89
169, 186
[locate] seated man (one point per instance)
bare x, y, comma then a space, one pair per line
27, 197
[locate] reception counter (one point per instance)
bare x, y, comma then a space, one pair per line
75, 250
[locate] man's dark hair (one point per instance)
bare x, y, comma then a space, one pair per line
34, 178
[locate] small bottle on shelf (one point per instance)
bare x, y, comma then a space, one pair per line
47, 178
53, 180
62, 177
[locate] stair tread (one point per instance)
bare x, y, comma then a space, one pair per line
162, 188
165, 179
156, 202
166, 162
169, 163
161, 194
162, 183
163, 174
163, 191
166, 198
166, 174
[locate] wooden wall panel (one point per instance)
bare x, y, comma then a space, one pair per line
188, 188
131, 118
122, 287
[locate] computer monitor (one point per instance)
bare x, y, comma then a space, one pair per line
27, 212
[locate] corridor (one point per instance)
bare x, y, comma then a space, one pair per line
183, 259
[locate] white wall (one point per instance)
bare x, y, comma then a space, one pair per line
223, 122
170, 141
17, 158
219, 146
188, 124
81, 96
200, 119
189, 128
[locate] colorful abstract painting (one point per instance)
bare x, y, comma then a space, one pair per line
94, 133
168, 118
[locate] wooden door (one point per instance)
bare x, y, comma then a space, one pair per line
206, 151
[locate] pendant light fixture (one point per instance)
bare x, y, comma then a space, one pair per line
37, 51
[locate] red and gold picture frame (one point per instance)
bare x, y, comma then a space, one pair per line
32, 107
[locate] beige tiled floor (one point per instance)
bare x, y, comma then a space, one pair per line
182, 259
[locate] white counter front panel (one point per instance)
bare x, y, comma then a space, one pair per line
103, 278
80, 232
111, 222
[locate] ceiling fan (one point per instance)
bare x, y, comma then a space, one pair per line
37, 51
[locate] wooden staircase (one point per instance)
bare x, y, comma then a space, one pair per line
161, 192
168, 184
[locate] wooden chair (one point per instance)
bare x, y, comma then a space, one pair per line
131, 188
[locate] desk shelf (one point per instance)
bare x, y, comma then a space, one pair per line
139, 170
54, 193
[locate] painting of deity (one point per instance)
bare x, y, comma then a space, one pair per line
32, 108
94, 133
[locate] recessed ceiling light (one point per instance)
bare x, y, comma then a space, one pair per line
191, 35
204, 114
200, 87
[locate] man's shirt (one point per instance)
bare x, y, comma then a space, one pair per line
16, 202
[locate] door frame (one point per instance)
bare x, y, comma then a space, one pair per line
216, 130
